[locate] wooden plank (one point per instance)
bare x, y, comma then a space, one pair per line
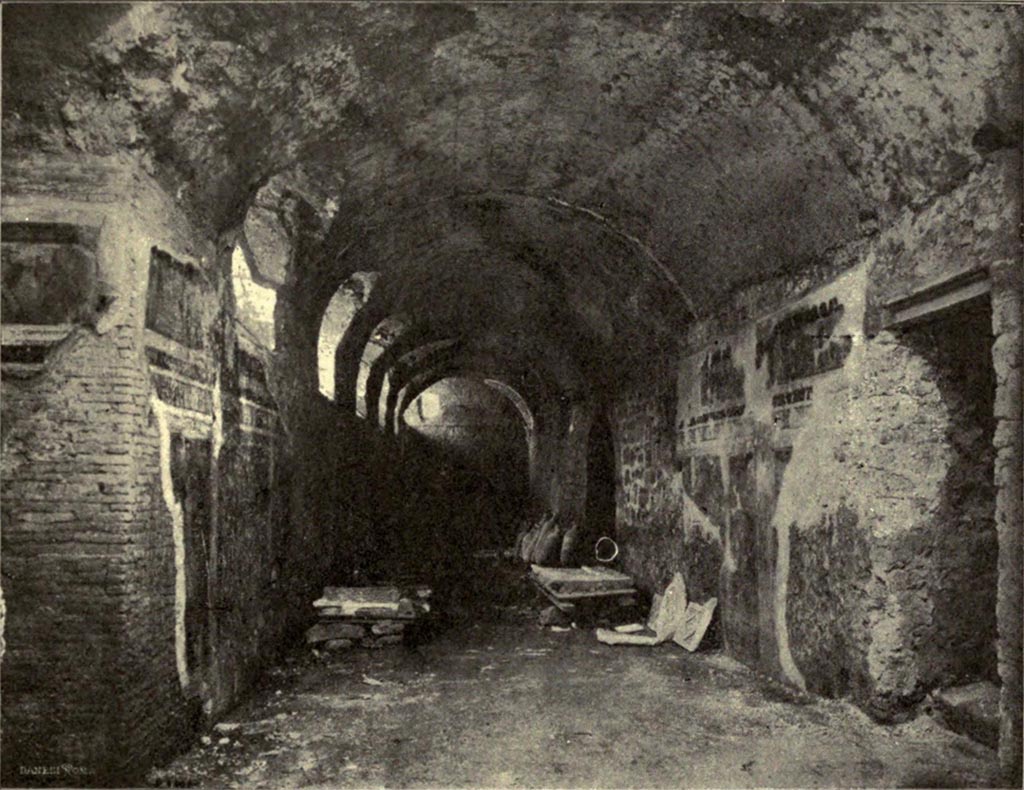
937, 297
579, 596
560, 596
34, 334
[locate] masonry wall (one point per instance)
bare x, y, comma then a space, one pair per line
70, 491
829, 480
150, 569
76, 500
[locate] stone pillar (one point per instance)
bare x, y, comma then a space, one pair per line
544, 459
572, 465
89, 677
1006, 354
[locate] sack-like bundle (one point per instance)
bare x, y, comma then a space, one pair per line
517, 548
570, 541
548, 547
528, 542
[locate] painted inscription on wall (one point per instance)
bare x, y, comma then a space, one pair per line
721, 395
789, 408
179, 381
49, 273
802, 343
252, 378
720, 380
258, 409
182, 377
174, 300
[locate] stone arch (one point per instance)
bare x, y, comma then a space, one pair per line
348, 302
378, 379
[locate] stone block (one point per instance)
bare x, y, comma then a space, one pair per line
387, 628
1006, 313
1008, 394
1007, 433
322, 632
381, 641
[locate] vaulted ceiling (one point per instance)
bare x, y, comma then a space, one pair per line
593, 176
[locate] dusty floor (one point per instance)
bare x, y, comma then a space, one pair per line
491, 699
507, 703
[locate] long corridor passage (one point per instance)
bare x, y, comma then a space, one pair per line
308, 297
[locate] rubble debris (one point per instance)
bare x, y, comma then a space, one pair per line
671, 616
569, 544
372, 681
381, 641
325, 631
541, 542
387, 628
696, 622
548, 548
668, 611
615, 638
548, 541
368, 617
629, 628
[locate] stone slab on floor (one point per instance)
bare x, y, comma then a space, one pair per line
573, 582
971, 710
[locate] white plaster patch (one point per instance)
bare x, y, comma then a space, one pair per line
814, 479
218, 419
255, 303
160, 412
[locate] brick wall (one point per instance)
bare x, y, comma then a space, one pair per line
69, 494
140, 416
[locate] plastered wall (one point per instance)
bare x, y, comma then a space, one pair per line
830, 480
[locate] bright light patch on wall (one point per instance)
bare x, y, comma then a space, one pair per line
361, 378
337, 317
430, 405
346, 302
254, 303
370, 354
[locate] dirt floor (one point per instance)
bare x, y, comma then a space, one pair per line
502, 702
